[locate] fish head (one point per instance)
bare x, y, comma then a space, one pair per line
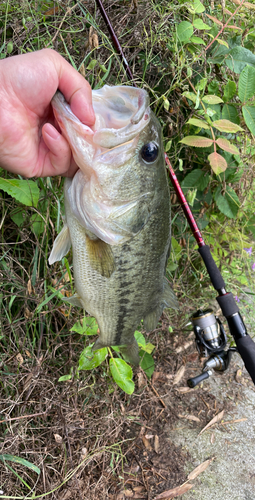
121, 162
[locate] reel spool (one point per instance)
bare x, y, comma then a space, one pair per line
211, 341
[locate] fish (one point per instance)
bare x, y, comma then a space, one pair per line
117, 215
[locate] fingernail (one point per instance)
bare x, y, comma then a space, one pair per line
52, 132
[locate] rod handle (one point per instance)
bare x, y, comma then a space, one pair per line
246, 349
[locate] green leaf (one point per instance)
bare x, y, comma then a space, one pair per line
140, 339
65, 378
229, 91
222, 42
211, 99
147, 363
227, 146
197, 178
226, 126
201, 84
18, 217
191, 196
148, 348
229, 112
217, 162
122, 374
176, 249
190, 95
246, 85
38, 224
21, 461
238, 58
91, 359
227, 204
197, 40
92, 64
184, 31
200, 25
197, 141
196, 7
9, 47
249, 117
24, 191
89, 326
198, 123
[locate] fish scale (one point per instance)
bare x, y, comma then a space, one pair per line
120, 239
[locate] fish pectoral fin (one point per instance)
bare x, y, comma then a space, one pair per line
61, 245
169, 298
101, 256
130, 353
151, 320
75, 300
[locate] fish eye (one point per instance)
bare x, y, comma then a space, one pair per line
149, 152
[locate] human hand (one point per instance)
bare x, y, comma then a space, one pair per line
29, 143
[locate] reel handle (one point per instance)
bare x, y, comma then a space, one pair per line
192, 382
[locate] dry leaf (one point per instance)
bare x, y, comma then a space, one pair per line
58, 438
28, 314
183, 390
200, 468
141, 380
179, 374
146, 443
95, 43
84, 453
156, 376
184, 346
20, 359
128, 493
82, 70
215, 420
175, 492
212, 438
29, 287
190, 417
138, 489
156, 444
234, 421
238, 376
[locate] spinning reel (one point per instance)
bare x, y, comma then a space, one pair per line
211, 341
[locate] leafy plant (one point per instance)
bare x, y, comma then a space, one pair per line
120, 370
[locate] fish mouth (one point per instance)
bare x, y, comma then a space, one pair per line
122, 112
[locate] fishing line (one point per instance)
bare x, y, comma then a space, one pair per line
226, 301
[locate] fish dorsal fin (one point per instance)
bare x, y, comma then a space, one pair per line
75, 300
101, 256
61, 245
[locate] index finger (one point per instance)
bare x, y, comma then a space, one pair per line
75, 88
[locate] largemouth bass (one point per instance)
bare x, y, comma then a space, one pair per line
117, 209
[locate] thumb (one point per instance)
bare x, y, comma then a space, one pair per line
58, 160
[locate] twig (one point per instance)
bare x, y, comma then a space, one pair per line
24, 416
225, 25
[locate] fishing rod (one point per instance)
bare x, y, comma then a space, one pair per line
210, 335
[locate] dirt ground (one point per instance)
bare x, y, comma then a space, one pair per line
92, 441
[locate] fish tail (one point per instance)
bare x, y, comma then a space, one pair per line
131, 353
